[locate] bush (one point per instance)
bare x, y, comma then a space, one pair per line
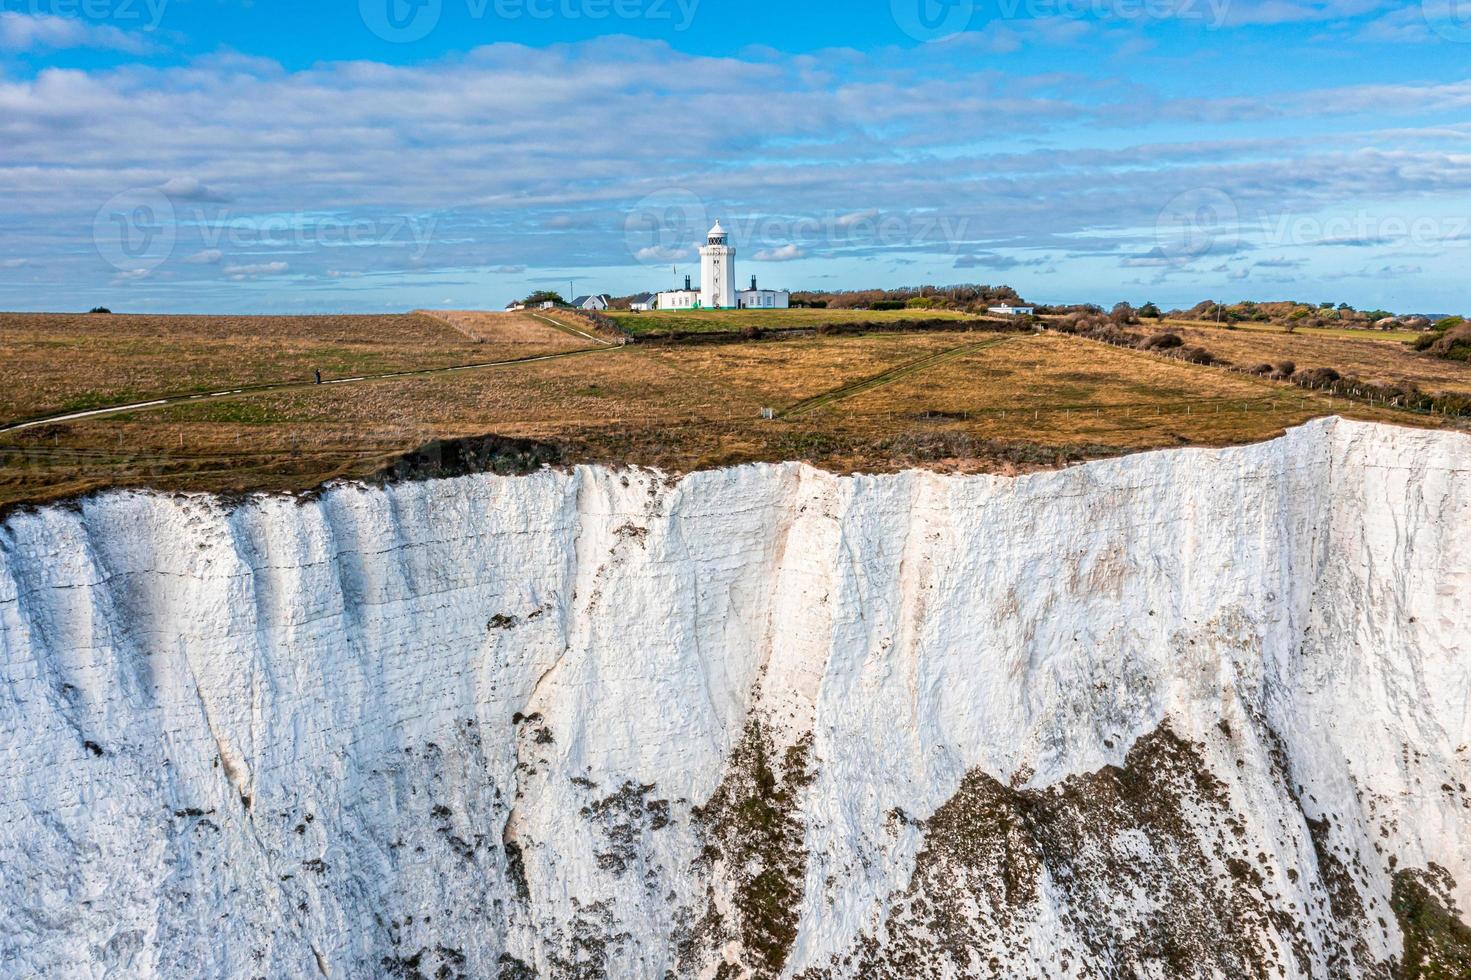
1196, 355
1261, 369
1452, 344
887, 304
100, 309
1316, 377
752, 333
1164, 341
1286, 369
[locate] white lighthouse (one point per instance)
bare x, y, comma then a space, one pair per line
717, 271
718, 289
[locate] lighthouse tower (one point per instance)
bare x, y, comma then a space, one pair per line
717, 271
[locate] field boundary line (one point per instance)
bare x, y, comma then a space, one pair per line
886, 378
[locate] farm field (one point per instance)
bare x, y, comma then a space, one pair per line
1372, 360
735, 321
1339, 333
960, 400
71, 362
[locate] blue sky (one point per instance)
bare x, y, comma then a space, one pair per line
364, 155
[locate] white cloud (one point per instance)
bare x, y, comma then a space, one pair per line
786, 253
192, 189
857, 218
662, 253
14, 263
39, 32
209, 256
242, 272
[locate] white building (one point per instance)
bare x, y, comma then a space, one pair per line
596, 304
1012, 310
687, 298
763, 299
718, 283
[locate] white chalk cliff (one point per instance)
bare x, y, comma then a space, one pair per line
1191, 713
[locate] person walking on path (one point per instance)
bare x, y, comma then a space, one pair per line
319, 377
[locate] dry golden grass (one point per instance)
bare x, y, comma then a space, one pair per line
522, 327
1020, 402
1084, 398
62, 362
1373, 360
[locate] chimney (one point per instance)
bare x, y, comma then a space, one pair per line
753, 284
686, 283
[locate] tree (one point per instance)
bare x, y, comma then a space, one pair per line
544, 296
1150, 311
1123, 314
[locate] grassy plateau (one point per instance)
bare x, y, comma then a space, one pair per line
958, 400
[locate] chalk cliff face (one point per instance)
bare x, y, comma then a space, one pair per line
1195, 713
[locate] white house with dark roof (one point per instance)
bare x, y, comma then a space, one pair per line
596, 304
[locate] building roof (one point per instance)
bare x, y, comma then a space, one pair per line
717, 230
